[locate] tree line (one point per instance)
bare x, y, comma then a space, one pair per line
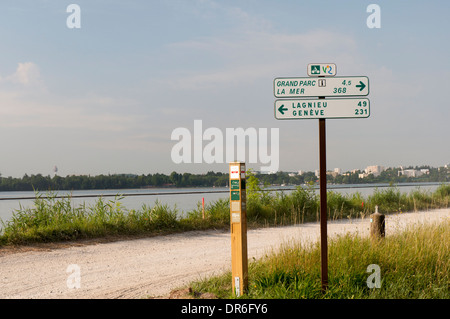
210, 179
111, 181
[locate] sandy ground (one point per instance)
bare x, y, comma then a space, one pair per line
154, 266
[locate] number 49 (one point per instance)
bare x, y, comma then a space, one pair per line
362, 103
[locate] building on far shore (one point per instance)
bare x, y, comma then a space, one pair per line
373, 169
413, 172
334, 173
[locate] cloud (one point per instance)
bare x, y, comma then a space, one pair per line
221, 13
252, 55
248, 46
26, 103
54, 112
27, 73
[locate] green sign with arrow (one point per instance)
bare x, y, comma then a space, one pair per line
320, 85
304, 109
314, 87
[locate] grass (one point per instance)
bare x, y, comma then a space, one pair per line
413, 264
53, 220
302, 205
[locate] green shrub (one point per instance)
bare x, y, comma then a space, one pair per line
414, 264
53, 219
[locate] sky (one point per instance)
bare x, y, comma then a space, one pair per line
106, 97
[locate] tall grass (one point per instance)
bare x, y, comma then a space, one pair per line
54, 219
51, 219
413, 264
302, 204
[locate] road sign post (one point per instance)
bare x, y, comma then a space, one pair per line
238, 221
323, 204
321, 83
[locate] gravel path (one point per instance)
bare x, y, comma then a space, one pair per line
154, 266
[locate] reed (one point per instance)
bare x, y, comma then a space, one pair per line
53, 219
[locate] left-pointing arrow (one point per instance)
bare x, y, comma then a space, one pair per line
282, 109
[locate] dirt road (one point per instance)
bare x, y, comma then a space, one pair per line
154, 266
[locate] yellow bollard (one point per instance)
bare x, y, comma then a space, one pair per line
238, 220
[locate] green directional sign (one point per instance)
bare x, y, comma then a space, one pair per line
314, 86
303, 109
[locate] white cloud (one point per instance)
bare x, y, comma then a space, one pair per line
254, 55
52, 112
221, 12
247, 46
27, 73
26, 103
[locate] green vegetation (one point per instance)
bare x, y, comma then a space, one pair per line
116, 181
413, 264
52, 219
210, 179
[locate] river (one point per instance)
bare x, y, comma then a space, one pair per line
185, 199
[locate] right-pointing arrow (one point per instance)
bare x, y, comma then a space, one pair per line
282, 109
361, 86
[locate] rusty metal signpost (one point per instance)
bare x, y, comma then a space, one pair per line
322, 83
